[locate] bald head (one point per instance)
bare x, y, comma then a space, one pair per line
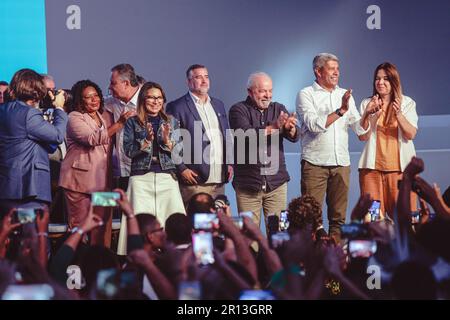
259, 88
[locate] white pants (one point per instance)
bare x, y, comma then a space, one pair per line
151, 193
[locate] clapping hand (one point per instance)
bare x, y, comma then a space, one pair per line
345, 100
281, 120
165, 131
150, 135
375, 105
396, 106
290, 123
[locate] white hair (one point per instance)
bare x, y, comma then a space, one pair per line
252, 78
322, 58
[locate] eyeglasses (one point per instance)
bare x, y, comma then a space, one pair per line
152, 98
157, 230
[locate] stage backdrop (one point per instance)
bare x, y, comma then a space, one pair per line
233, 38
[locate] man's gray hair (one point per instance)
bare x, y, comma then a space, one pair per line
322, 58
47, 77
252, 78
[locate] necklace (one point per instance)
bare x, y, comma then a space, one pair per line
96, 118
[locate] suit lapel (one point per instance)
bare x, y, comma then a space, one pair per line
94, 126
218, 114
192, 107
193, 110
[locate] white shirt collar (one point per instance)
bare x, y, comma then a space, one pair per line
197, 99
317, 87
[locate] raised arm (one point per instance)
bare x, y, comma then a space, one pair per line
79, 130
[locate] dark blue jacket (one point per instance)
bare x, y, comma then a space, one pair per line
25, 138
133, 137
185, 111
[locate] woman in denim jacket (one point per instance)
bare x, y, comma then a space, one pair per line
149, 138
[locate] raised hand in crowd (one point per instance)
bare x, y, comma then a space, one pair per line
91, 222
42, 220
334, 259
244, 255
362, 207
127, 209
221, 263
271, 259
6, 228
429, 194
162, 286
415, 167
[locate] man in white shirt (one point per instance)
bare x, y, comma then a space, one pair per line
325, 112
205, 119
124, 88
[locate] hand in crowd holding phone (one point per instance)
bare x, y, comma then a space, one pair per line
252, 231
362, 207
92, 221
7, 224
124, 203
42, 219
226, 225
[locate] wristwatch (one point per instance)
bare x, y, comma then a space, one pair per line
338, 112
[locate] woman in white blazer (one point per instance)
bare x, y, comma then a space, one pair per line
389, 142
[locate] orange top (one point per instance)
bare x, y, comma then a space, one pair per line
388, 153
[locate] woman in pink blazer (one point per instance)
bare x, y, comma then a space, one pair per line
87, 165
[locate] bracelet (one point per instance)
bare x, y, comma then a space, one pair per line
42, 234
133, 216
77, 230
